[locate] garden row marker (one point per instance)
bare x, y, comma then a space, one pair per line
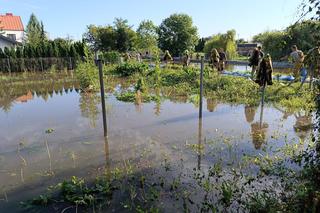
200, 113
103, 103
201, 86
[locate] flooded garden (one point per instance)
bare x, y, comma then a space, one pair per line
159, 155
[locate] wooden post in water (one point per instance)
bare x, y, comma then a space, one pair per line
201, 87
103, 103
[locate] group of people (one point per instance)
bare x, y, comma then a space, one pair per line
262, 68
262, 64
218, 59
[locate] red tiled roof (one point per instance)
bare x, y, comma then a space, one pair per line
11, 22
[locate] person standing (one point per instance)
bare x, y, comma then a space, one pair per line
222, 59
186, 59
297, 57
255, 59
264, 75
167, 57
215, 58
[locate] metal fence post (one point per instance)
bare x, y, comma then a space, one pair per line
201, 87
103, 103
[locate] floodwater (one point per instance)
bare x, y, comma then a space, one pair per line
31, 159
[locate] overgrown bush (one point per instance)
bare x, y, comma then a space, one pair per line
87, 74
112, 57
128, 69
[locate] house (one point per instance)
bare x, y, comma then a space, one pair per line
12, 27
7, 42
246, 48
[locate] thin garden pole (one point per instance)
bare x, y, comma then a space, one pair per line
9, 67
199, 142
103, 103
201, 87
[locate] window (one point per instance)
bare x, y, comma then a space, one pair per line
12, 36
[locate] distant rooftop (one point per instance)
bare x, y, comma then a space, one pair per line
11, 22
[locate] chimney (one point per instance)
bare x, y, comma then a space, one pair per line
9, 14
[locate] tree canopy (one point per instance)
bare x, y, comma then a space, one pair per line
177, 34
225, 41
35, 31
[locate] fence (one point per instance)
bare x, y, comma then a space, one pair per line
36, 64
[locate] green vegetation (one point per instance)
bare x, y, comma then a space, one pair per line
278, 43
185, 82
226, 41
87, 73
177, 34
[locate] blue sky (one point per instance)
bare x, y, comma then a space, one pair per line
64, 18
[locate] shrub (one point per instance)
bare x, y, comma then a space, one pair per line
112, 57
128, 69
87, 74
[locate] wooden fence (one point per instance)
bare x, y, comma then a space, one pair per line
36, 64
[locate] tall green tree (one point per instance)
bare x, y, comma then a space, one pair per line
125, 36
225, 41
147, 36
33, 31
177, 34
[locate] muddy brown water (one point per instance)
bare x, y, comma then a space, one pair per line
31, 160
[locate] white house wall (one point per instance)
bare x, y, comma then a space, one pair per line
19, 34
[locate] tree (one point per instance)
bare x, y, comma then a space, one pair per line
312, 8
177, 34
278, 43
100, 38
125, 36
33, 31
225, 41
201, 43
147, 36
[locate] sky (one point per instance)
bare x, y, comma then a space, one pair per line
69, 18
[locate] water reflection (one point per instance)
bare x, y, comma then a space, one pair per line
211, 104
303, 125
26, 86
250, 112
259, 131
88, 104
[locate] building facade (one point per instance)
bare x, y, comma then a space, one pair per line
12, 27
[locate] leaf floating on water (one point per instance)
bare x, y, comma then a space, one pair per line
49, 131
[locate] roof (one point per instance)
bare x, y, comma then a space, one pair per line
247, 45
2, 37
11, 22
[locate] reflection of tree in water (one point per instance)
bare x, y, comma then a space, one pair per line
88, 104
250, 112
43, 85
211, 104
157, 107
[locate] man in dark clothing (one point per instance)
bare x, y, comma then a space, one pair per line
255, 59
